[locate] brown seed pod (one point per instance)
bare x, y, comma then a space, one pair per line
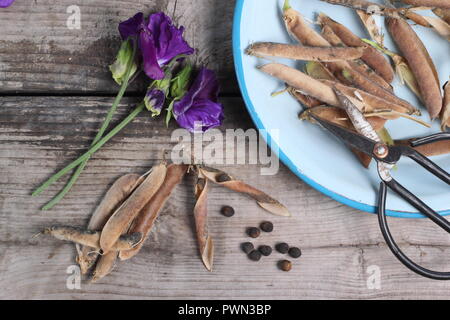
357, 65
371, 56
296, 52
144, 222
366, 6
445, 4
104, 266
265, 201
370, 101
307, 101
445, 116
92, 238
444, 14
420, 63
113, 198
126, 213
315, 88
204, 240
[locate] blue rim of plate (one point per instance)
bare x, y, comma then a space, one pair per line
251, 109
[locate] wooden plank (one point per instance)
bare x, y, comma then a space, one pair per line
38, 135
39, 53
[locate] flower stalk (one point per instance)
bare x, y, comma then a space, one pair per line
128, 74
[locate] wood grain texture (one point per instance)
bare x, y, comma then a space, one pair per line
340, 245
39, 53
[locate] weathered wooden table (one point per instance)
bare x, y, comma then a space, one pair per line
56, 89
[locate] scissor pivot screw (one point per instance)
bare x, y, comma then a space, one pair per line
381, 150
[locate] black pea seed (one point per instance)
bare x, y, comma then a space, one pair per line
266, 226
282, 247
295, 252
255, 255
285, 265
227, 211
253, 232
247, 247
223, 177
265, 250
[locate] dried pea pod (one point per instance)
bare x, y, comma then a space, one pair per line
104, 266
113, 198
92, 238
444, 14
146, 218
125, 214
205, 242
444, 4
420, 63
371, 57
265, 201
296, 52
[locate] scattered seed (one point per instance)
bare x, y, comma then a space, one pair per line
282, 247
285, 265
223, 178
295, 252
247, 247
265, 250
253, 232
227, 211
255, 255
266, 226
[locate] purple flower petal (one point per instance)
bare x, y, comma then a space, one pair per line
205, 86
150, 62
204, 113
132, 26
6, 3
169, 40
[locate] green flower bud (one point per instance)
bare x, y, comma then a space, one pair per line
180, 82
123, 60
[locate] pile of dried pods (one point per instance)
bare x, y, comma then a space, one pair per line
337, 57
124, 218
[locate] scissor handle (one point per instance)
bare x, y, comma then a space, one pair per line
423, 208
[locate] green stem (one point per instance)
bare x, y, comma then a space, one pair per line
99, 134
91, 151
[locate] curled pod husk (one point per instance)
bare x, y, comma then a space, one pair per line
144, 222
92, 238
445, 117
366, 6
371, 56
104, 266
296, 52
264, 200
205, 242
445, 4
113, 198
305, 100
125, 214
420, 63
371, 27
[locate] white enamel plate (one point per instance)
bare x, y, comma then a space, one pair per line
310, 152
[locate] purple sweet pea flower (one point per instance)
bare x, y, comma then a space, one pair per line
159, 41
154, 101
199, 105
6, 3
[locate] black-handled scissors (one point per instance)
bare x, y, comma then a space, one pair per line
387, 156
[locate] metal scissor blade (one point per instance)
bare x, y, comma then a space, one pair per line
350, 138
